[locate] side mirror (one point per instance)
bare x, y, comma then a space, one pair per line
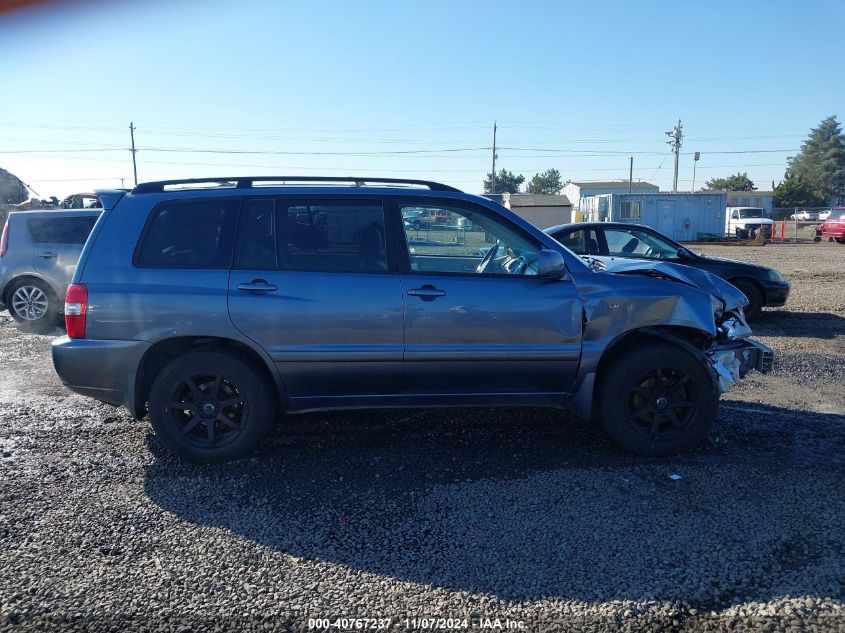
682, 253
550, 264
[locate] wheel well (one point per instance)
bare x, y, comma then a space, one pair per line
160, 354
5, 296
750, 280
674, 335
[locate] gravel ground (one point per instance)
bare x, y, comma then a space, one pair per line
516, 514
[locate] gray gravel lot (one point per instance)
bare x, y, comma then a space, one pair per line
522, 514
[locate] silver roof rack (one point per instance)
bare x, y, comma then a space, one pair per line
243, 182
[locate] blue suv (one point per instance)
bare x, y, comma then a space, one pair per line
213, 306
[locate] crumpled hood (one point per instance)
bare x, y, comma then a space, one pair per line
687, 275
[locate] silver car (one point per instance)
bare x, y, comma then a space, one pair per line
38, 255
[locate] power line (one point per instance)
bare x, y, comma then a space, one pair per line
555, 154
93, 178
61, 151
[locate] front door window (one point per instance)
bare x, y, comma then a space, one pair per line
448, 239
636, 243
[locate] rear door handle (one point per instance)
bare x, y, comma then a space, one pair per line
47, 255
427, 292
258, 286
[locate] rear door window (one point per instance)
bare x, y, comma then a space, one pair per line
60, 230
313, 235
257, 240
580, 241
196, 234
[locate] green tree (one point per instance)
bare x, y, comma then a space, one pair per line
821, 161
546, 182
795, 191
506, 181
737, 182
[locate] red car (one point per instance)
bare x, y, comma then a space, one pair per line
834, 226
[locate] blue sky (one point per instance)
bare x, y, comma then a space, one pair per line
343, 88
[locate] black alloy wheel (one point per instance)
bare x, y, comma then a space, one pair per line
208, 409
211, 406
657, 398
661, 403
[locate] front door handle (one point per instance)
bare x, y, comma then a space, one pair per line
258, 286
427, 292
47, 255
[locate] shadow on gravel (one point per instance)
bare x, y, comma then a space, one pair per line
523, 504
824, 325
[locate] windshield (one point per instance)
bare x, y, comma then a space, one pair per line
751, 213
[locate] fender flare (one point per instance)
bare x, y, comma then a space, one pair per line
582, 402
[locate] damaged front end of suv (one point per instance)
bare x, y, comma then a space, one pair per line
630, 303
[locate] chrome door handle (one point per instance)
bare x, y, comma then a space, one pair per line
47, 255
426, 292
257, 286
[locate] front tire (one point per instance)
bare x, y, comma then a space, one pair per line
754, 296
658, 400
840, 240
33, 304
211, 406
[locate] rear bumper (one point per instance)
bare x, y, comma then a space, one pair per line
776, 294
103, 370
833, 231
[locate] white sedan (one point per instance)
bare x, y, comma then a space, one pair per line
805, 215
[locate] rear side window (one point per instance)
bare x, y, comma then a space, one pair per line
60, 230
580, 241
328, 236
197, 234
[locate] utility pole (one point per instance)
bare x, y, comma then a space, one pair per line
493, 173
695, 158
134, 166
631, 175
675, 135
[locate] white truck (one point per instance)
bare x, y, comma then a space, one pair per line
744, 222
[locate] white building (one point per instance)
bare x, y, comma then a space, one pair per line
682, 216
760, 199
577, 191
541, 210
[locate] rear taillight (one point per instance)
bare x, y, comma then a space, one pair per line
76, 308
4, 239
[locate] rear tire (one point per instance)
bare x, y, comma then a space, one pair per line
840, 240
657, 400
211, 406
32, 304
754, 296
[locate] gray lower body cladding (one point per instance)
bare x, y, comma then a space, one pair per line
104, 370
